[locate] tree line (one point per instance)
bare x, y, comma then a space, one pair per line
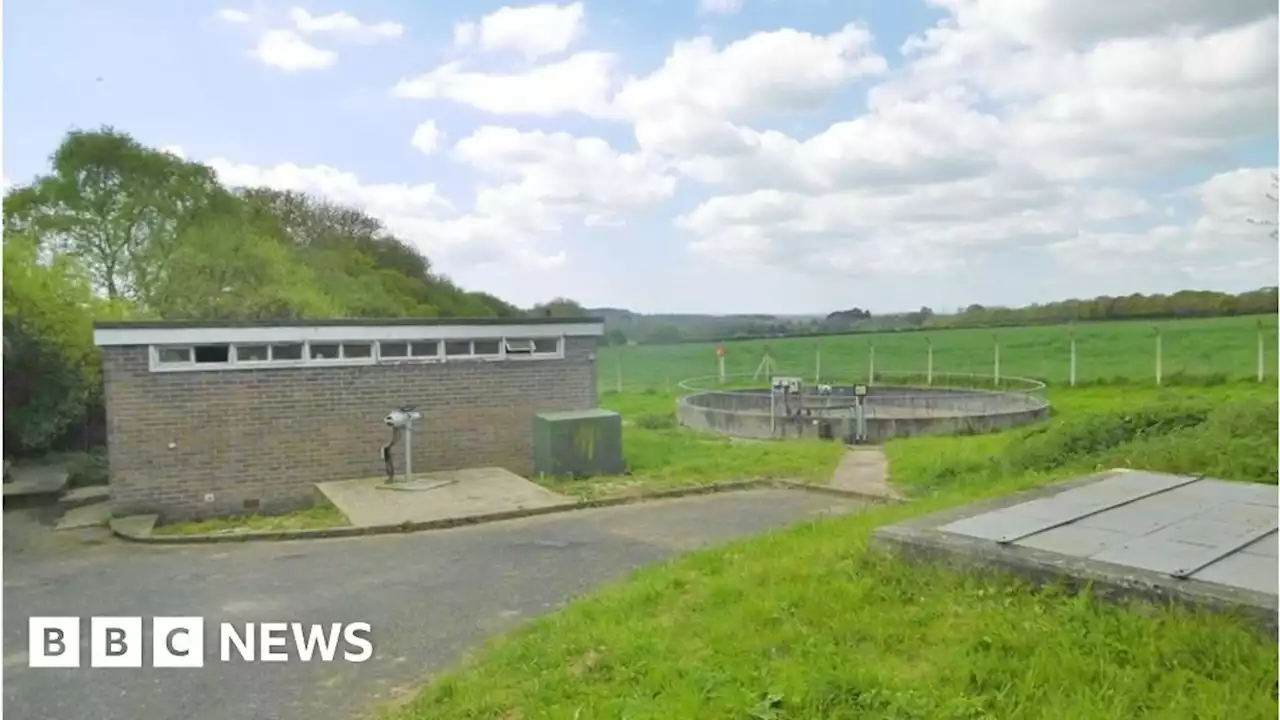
118, 230
627, 327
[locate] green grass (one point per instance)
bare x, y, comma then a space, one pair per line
320, 515
662, 456
807, 623
1201, 350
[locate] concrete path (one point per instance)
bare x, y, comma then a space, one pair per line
437, 496
430, 597
865, 470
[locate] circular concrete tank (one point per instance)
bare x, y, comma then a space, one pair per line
893, 407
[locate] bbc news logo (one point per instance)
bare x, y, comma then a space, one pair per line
178, 642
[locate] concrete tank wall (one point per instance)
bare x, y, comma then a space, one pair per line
890, 413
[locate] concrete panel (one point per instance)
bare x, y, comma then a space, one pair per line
1227, 491
1207, 533
1268, 546
1243, 570
993, 526
1160, 556
1075, 540
1258, 517
1145, 516
1129, 551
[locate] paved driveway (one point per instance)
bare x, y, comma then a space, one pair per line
429, 597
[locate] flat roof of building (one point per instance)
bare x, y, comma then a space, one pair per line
340, 322
180, 332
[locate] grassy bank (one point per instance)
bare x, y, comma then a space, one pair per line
808, 624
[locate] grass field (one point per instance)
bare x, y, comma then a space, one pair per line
1212, 349
808, 624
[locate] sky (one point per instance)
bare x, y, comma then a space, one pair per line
717, 156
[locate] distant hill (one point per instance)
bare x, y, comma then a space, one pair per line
623, 326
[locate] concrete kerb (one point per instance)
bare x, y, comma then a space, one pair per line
919, 539
139, 529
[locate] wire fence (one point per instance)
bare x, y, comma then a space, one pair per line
1183, 353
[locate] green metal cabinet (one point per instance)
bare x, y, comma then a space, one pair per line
578, 443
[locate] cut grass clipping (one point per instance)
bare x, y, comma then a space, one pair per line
320, 515
807, 623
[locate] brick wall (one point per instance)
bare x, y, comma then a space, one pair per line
270, 434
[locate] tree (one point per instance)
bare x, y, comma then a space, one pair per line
559, 307
52, 369
223, 269
116, 205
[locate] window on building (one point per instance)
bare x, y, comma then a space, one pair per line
212, 354
173, 355
326, 351
546, 346
519, 346
393, 350
357, 351
259, 354
425, 348
253, 353
286, 351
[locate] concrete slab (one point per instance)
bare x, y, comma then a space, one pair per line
94, 515
1202, 541
35, 480
76, 497
437, 496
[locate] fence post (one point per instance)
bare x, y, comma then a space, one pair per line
817, 366
1159, 357
929, 362
871, 370
1072, 373
618, 368
996, 366
1262, 355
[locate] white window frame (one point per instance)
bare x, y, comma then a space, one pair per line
410, 357
375, 356
533, 354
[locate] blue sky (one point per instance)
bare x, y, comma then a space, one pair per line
750, 156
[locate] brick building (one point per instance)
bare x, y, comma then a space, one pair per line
217, 419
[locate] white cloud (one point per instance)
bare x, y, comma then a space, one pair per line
778, 71
533, 31
345, 26
284, 49
426, 137
174, 150
580, 83
465, 34
720, 7
343, 187
1023, 132
1220, 241
231, 15
557, 175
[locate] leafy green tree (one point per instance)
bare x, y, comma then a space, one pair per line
116, 205
559, 307
52, 370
